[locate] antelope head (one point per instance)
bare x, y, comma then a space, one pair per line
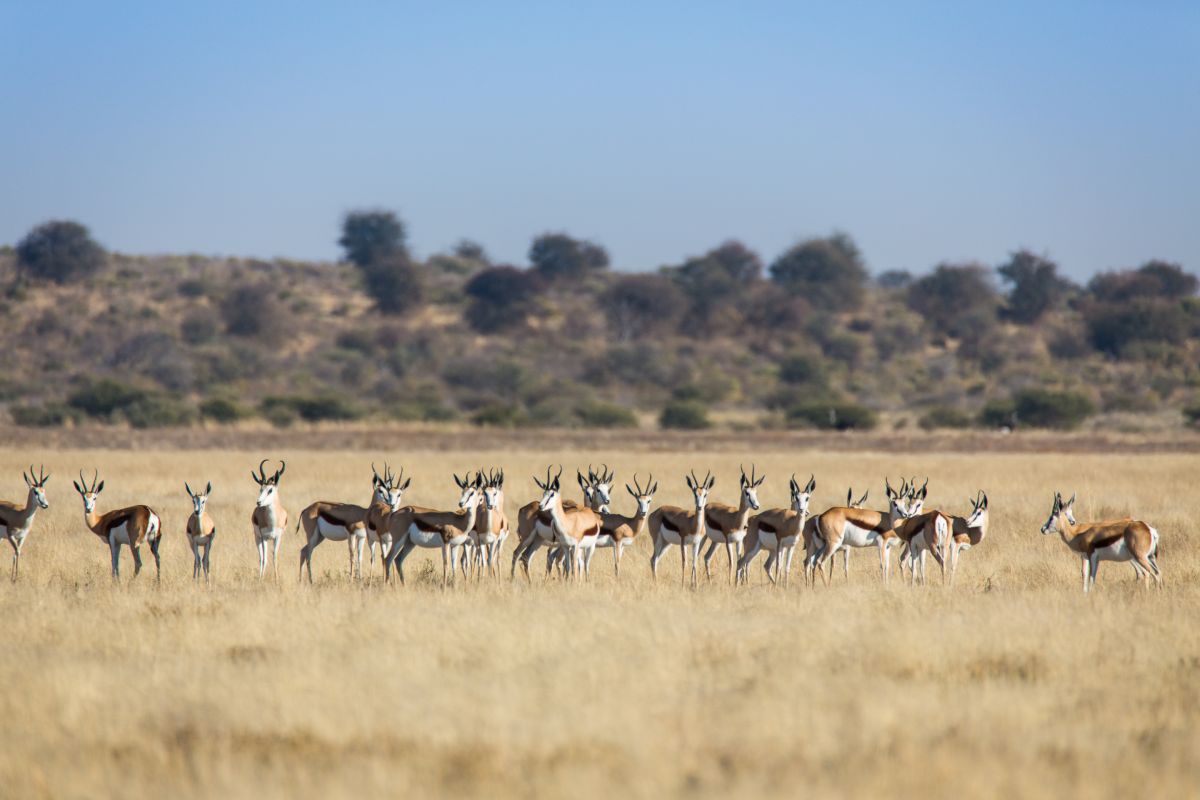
199, 501
602, 485
802, 496
897, 500
469, 490
860, 502
750, 486
979, 511
643, 495
268, 486
700, 489
550, 490
36, 481
493, 490
89, 493
1059, 510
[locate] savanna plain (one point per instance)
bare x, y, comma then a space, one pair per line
1010, 683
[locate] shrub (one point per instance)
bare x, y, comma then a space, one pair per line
198, 327
829, 272
998, 414
321, 408
279, 411
1192, 414
557, 255
837, 416
500, 298
687, 415
158, 411
1046, 408
222, 409
598, 414
944, 417
802, 369
1036, 286
499, 415
641, 305
955, 298
59, 251
104, 398
192, 288
48, 415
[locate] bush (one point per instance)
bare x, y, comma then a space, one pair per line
48, 415
998, 414
687, 415
158, 411
1192, 414
1046, 408
598, 414
283, 411
104, 398
198, 327
955, 298
222, 409
829, 272
500, 298
59, 251
802, 369
944, 417
835, 416
498, 415
557, 255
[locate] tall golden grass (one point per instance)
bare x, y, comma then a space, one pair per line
1013, 683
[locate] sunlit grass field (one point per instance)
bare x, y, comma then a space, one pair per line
1013, 683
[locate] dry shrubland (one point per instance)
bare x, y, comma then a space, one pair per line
1010, 683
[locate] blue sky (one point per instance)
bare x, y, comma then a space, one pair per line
929, 131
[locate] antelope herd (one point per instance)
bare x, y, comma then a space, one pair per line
471, 535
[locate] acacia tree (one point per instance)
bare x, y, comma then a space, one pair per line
376, 243
828, 272
557, 255
639, 305
500, 298
1035, 286
59, 251
955, 298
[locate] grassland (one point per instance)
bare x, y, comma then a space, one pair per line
1010, 684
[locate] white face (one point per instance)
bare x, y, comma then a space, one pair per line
492, 498
199, 501
899, 505
266, 494
89, 502
382, 492
1051, 525
800, 501
394, 498
700, 492
549, 497
978, 517
643, 502
39, 494
468, 498
751, 495
603, 495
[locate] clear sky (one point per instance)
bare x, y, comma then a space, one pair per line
929, 131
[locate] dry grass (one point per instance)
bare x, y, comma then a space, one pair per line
1012, 683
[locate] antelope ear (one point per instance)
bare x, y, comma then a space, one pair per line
812, 485
208, 489
77, 487
189, 489
1071, 502
100, 489
631, 492
921, 494
862, 500
406, 483
984, 502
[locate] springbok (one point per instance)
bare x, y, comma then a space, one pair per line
129, 526
388, 497
922, 534
269, 518
674, 525
344, 522
617, 530
1117, 540
491, 526
969, 531
201, 530
812, 545
574, 529
446, 530
15, 523
534, 528
778, 531
842, 526
725, 524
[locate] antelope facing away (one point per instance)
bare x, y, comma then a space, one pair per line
446, 530
674, 525
727, 525
778, 531
126, 526
842, 526
617, 530
15, 523
201, 530
269, 518
1117, 540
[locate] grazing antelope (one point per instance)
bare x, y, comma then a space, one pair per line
269, 518
969, 531
388, 497
201, 530
1118, 540
15, 523
617, 530
778, 531
534, 528
491, 526
842, 526
343, 522
725, 524
412, 528
129, 526
674, 525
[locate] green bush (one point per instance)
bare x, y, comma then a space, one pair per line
598, 414
49, 415
802, 369
498, 415
198, 327
1046, 408
834, 416
944, 417
1192, 414
222, 409
687, 415
158, 411
283, 411
998, 414
104, 398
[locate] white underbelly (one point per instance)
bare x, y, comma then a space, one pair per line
270, 533
854, 536
544, 531
767, 541
721, 537
483, 539
119, 534
334, 533
1117, 551
669, 535
604, 540
424, 538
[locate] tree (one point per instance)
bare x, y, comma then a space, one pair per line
1146, 306
954, 298
829, 272
738, 261
557, 255
59, 251
500, 298
1159, 280
1035, 286
375, 242
639, 305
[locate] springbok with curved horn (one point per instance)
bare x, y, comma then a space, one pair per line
388, 497
674, 525
126, 526
813, 545
446, 530
15, 523
617, 530
852, 527
269, 518
778, 531
534, 525
343, 522
1117, 540
727, 525
201, 530
491, 526
968, 531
